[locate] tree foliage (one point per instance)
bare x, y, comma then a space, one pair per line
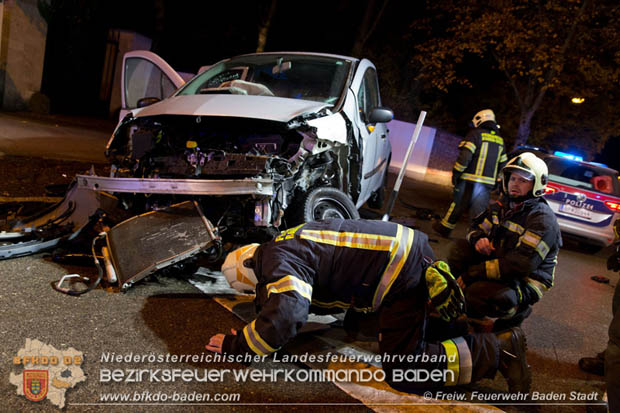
547, 52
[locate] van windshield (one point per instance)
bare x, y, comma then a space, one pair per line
307, 77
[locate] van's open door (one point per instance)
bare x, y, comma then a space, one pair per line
146, 75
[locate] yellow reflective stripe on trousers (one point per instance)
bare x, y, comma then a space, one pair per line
255, 341
398, 256
478, 178
492, 269
444, 220
349, 239
459, 361
290, 283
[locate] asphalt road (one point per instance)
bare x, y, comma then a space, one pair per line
172, 317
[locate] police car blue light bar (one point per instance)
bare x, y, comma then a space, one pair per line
569, 156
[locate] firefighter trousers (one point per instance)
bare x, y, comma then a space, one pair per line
467, 194
507, 300
421, 352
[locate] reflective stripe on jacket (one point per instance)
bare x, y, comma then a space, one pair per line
481, 157
328, 264
526, 241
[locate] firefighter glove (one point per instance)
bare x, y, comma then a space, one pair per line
444, 293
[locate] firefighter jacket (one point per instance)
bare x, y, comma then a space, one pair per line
526, 239
328, 264
481, 156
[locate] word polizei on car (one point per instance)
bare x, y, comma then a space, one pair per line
585, 197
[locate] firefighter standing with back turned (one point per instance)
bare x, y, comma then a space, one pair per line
368, 266
481, 156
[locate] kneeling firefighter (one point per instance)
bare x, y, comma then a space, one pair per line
367, 266
508, 260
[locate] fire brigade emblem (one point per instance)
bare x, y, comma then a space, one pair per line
35, 384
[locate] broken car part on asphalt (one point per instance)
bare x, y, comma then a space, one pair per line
257, 143
143, 244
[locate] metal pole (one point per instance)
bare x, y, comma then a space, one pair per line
394, 194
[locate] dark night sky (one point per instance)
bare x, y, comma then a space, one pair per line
190, 34
198, 33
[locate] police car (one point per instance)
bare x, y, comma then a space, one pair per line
585, 197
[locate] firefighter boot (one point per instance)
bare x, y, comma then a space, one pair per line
593, 365
441, 230
512, 362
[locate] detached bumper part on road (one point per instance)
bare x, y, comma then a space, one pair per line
46, 229
148, 242
136, 247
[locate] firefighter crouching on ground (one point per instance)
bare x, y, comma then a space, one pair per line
481, 156
508, 260
363, 265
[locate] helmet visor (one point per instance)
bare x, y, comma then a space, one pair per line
522, 173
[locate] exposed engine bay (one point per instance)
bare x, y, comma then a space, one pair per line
289, 155
252, 145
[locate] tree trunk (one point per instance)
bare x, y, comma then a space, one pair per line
263, 28
366, 28
527, 109
523, 133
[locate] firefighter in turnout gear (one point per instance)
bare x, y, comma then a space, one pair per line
370, 266
509, 257
481, 156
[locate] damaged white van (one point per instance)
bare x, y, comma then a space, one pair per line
263, 141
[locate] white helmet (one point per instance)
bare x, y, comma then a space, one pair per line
532, 166
483, 116
240, 277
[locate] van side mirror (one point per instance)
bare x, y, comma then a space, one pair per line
380, 115
147, 101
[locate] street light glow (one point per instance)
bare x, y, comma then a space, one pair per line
577, 100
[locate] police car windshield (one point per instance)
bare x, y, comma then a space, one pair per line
581, 175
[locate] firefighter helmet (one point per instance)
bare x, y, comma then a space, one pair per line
240, 276
483, 116
530, 165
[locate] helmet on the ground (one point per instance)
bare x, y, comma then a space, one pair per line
240, 277
530, 166
483, 116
